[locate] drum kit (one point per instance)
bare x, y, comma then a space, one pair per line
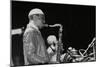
82, 55
73, 55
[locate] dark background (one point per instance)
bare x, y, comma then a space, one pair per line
78, 24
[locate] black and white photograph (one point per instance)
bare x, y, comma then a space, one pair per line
52, 33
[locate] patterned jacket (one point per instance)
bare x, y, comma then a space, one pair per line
34, 47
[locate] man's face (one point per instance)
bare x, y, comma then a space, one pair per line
39, 20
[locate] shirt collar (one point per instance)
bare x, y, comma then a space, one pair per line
31, 24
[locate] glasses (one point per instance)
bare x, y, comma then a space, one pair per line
40, 16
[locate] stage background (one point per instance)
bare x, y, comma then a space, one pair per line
5, 35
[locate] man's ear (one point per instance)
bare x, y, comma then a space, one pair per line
35, 17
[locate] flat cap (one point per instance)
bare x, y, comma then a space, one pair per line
35, 11
51, 39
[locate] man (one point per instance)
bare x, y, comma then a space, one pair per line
34, 46
52, 49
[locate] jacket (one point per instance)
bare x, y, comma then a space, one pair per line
34, 47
